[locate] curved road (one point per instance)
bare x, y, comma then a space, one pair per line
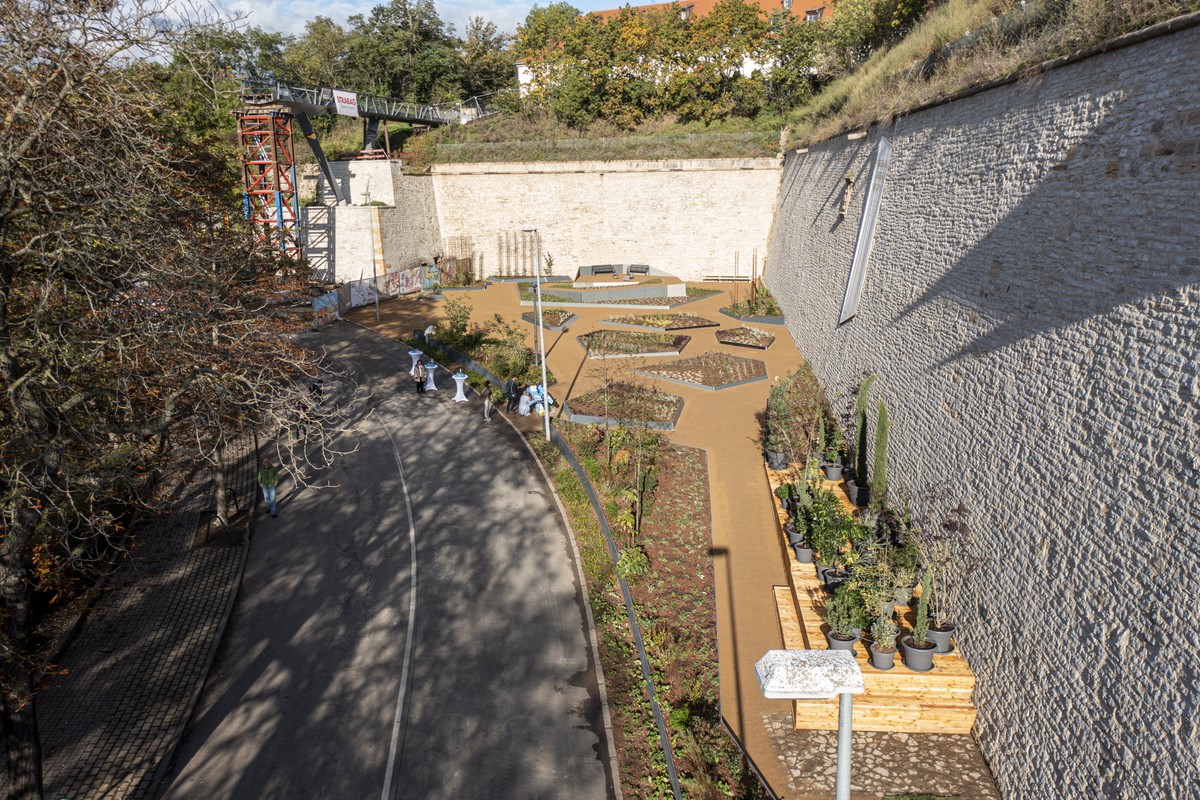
416, 632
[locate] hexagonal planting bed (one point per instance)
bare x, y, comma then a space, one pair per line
628, 344
553, 319
625, 404
709, 371
745, 337
661, 322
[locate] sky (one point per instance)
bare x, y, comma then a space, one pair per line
289, 16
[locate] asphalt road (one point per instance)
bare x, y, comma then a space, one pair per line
416, 632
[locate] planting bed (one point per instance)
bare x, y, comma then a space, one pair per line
661, 322
627, 344
745, 337
710, 371
625, 404
553, 319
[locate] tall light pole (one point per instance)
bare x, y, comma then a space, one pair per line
537, 282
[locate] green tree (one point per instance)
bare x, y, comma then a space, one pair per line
538, 43
319, 57
724, 43
487, 63
130, 309
792, 47
404, 50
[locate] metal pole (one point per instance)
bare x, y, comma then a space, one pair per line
537, 276
845, 713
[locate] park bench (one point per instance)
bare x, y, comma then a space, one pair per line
639, 269
604, 269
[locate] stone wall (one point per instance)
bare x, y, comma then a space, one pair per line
340, 243
687, 218
1032, 309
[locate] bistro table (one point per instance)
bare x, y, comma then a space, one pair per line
430, 369
416, 356
460, 381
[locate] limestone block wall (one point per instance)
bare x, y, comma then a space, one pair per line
687, 218
339, 237
1033, 309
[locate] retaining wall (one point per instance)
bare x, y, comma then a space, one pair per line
1031, 307
688, 218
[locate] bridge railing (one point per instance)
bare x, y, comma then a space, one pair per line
369, 105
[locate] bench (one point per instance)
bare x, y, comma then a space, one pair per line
604, 269
738, 278
639, 269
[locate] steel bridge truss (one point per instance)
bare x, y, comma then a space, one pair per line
271, 203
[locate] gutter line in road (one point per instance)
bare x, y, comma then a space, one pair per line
397, 724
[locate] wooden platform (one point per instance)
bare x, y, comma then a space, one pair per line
897, 700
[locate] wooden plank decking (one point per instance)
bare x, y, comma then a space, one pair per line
938, 701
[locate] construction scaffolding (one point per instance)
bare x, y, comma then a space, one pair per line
269, 178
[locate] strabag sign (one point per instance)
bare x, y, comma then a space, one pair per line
346, 102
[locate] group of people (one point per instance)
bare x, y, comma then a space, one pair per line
532, 398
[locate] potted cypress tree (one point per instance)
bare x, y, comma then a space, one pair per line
859, 488
833, 455
918, 650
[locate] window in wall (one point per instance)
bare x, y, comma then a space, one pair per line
685, 12
866, 232
812, 15
786, 4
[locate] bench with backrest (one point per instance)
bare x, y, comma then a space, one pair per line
639, 269
604, 269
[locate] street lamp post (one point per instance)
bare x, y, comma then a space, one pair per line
817, 675
537, 281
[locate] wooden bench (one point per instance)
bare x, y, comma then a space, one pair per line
938, 701
639, 269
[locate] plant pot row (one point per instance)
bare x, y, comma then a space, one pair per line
916, 658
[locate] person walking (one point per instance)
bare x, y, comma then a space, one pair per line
420, 373
268, 481
487, 402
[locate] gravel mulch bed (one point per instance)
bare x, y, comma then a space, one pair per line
627, 401
745, 337
663, 322
606, 343
710, 369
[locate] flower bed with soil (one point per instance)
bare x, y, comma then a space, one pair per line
745, 337
709, 371
626, 344
627, 403
675, 603
662, 322
554, 319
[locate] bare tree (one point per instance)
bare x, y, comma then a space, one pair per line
135, 314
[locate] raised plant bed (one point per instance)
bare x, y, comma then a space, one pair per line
625, 404
527, 278
660, 322
745, 337
630, 344
710, 371
761, 320
553, 319
477, 287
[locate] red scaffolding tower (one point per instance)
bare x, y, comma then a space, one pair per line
269, 178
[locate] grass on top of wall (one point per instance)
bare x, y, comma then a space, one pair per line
966, 43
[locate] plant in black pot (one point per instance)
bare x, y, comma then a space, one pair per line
859, 488
828, 530
917, 649
949, 560
833, 455
775, 426
844, 614
883, 643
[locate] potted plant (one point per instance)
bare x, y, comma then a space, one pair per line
946, 556
787, 494
828, 530
859, 489
833, 454
843, 615
775, 440
917, 649
883, 643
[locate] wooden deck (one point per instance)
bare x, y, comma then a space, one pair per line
898, 700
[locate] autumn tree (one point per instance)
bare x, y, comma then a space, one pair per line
487, 63
133, 313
